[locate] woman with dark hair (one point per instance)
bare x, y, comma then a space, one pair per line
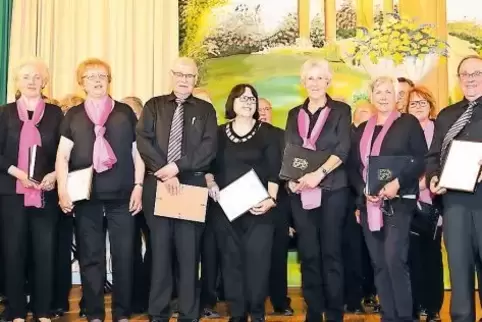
245, 143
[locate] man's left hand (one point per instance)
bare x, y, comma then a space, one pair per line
167, 172
135, 204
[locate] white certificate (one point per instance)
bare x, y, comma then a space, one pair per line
79, 184
461, 169
242, 195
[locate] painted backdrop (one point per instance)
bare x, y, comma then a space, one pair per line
264, 42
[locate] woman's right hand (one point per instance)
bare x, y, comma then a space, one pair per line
213, 190
22, 176
65, 203
372, 199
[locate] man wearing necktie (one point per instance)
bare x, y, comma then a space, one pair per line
177, 139
462, 213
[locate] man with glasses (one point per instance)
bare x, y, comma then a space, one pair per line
462, 213
404, 86
177, 139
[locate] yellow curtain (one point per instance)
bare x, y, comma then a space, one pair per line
138, 38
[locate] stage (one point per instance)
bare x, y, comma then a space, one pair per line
296, 302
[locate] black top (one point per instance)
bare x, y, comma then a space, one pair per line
404, 138
199, 135
118, 182
471, 132
258, 150
10, 126
334, 138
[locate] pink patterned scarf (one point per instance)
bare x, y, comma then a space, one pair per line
29, 137
375, 216
428, 130
311, 198
98, 113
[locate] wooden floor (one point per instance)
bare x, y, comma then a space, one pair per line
297, 304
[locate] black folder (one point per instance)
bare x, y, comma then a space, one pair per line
298, 161
37, 164
383, 169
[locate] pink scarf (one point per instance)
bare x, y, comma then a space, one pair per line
375, 216
29, 137
428, 129
311, 198
104, 157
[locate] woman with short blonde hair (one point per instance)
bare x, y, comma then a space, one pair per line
29, 127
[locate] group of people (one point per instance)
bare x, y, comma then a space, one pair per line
175, 139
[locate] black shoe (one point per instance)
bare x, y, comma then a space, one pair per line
288, 311
356, 309
210, 314
258, 320
82, 313
434, 317
139, 309
238, 319
376, 309
370, 301
57, 313
422, 312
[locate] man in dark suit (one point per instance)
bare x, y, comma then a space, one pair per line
177, 139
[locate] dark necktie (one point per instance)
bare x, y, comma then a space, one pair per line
174, 149
455, 129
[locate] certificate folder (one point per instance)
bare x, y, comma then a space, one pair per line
79, 184
298, 161
383, 169
189, 204
241, 195
461, 168
37, 164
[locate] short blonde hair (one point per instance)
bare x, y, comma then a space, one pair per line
313, 63
384, 80
135, 103
39, 64
92, 63
70, 101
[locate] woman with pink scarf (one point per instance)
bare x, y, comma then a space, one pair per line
29, 135
425, 254
101, 133
386, 214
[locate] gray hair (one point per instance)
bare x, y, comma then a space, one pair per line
384, 80
313, 63
38, 63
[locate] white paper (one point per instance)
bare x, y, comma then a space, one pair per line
461, 169
242, 195
79, 184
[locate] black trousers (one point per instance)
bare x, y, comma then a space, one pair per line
142, 264
478, 269
185, 238
63, 262
463, 240
18, 223
319, 232
278, 276
89, 217
426, 272
245, 246
210, 262
389, 253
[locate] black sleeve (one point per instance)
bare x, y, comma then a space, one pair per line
205, 153
64, 129
354, 163
432, 159
5, 160
58, 123
133, 121
214, 166
273, 155
417, 149
343, 131
153, 157
290, 127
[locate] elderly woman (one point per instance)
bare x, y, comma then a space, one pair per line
28, 200
425, 254
245, 244
386, 215
101, 133
321, 124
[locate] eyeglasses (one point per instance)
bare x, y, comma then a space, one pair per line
421, 103
475, 74
247, 99
93, 77
182, 75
